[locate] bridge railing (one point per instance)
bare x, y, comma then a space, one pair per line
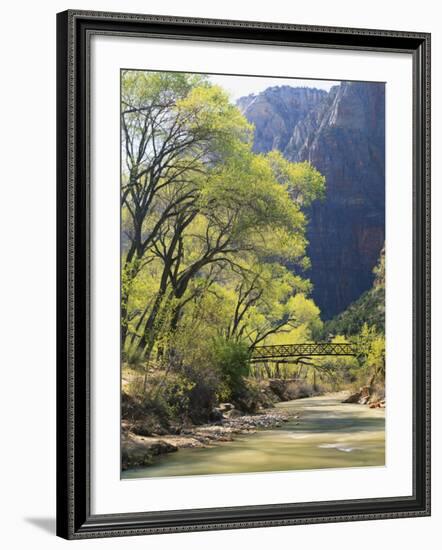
309, 349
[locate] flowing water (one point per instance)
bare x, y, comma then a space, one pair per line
327, 434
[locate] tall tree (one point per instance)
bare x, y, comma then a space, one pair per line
174, 128
199, 205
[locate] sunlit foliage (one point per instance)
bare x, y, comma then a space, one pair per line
214, 252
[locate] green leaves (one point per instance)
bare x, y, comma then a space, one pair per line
303, 182
209, 228
369, 308
232, 360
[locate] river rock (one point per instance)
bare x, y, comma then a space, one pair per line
138, 451
224, 410
360, 397
162, 447
377, 404
233, 413
224, 407
134, 458
353, 398
148, 429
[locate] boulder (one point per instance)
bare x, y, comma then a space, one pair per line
353, 398
361, 397
148, 428
139, 451
162, 447
224, 407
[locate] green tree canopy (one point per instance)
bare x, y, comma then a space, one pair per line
209, 226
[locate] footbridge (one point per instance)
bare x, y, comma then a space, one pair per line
293, 352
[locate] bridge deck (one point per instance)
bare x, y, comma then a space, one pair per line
309, 349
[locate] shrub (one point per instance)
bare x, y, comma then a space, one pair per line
297, 390
134, 358
163, 400
254, 397
177, 391
231, 359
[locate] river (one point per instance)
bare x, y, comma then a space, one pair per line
327, 434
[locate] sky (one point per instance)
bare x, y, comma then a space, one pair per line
239, 86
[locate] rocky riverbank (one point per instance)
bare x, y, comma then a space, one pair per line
374, 398
142, 444
139, 450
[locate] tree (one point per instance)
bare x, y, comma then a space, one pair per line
209, 226
174, 128
372, 346
368, 308
269, 300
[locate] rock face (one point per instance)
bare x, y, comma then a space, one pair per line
275, 113
342, 134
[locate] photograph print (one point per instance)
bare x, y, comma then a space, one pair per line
252, 274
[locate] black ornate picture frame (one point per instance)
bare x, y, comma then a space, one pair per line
74, 517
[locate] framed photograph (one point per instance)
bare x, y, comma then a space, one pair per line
243, 274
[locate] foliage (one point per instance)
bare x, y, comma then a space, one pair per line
305, 184
232, 360
369, 308
336, 372
364, 323
213, 244
372, 345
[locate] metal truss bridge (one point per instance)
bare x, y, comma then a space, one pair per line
284, 353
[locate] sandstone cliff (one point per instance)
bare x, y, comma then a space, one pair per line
342, 134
